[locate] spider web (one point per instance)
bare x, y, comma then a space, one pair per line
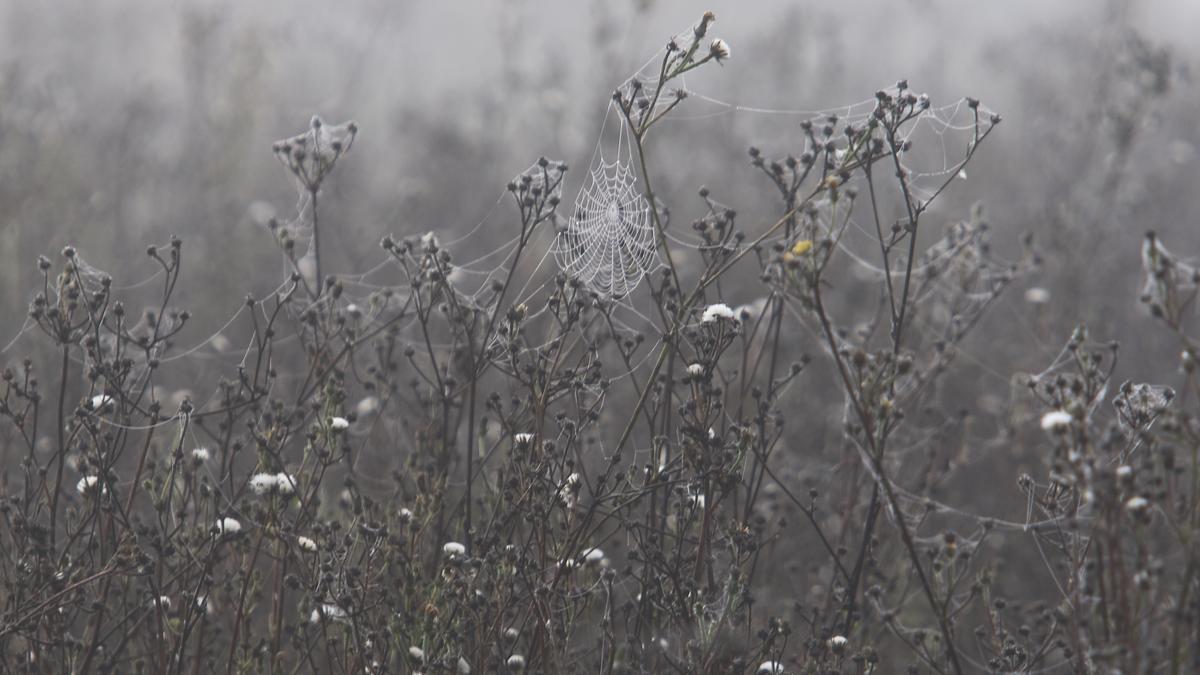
609, 241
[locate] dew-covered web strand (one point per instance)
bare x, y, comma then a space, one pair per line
25, 327
934, 122
925, 501
200, 345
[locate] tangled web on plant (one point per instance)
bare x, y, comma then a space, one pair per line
1169, 283
310, 158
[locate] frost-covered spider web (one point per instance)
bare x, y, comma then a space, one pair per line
609, 241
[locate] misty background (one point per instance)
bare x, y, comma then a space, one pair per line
127, 121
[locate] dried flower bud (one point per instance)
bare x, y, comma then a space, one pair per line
719, 50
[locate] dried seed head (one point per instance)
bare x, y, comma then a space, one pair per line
719, 50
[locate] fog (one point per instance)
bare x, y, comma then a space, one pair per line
123, 122
126, 122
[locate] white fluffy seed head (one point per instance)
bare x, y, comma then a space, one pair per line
306, 544
1056, 421
262, 483
200, 455
285, 483
719, 49
838, 643
339, 424
769, 668
695, 370
416, 653
716, 312
367, 406
1137, 504
87, 484
516, 662
453, 549
228, 525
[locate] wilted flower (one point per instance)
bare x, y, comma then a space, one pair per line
715, 312
328, 611
429, 242
719, 49
1056, 421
